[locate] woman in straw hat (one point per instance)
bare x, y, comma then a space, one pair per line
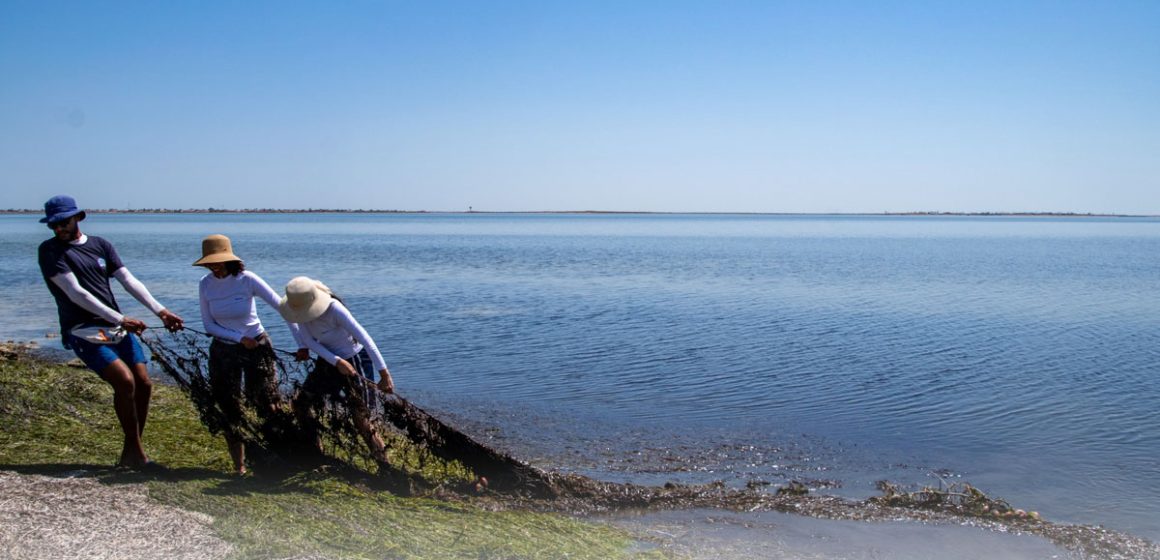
347, 357
241, 349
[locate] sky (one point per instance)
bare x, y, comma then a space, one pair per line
663, 106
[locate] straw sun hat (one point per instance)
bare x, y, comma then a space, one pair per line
305, 300
216, 249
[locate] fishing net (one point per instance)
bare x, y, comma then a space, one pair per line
283, 437
303, 429
420, 450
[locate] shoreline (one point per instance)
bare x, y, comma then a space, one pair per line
77, 513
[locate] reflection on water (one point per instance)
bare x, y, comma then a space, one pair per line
1016, 353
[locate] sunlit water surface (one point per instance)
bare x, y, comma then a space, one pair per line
1019, 354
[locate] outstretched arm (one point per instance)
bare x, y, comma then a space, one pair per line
263, 290
386, 383
72, 288
139, 292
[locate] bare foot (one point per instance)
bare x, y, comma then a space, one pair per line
133, 461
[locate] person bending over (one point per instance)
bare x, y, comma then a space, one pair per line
347, 357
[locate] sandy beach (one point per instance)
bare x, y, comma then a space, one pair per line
43, 517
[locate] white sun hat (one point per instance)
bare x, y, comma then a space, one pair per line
305, 300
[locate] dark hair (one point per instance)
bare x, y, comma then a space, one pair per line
335, 296
234, 268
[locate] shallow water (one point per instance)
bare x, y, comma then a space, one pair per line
1014, 353
716, 535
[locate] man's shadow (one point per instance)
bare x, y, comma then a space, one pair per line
271, 481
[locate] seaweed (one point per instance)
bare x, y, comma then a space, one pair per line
958, 498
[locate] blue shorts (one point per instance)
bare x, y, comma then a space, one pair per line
99, 356
362, 364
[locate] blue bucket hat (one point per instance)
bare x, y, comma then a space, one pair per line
60, 207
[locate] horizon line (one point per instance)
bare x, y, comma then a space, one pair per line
212, 210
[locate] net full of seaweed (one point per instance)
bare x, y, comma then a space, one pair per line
281, 436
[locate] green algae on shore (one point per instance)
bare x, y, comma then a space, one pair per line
58, 422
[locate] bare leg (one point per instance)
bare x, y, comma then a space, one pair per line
371, 436
237, 453
143, 394
125, 404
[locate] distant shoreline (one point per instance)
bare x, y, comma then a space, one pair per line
584, 212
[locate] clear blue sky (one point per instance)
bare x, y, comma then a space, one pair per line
763, 106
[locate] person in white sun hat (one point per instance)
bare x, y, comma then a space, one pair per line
347, 357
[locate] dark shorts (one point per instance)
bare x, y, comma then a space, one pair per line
98, 357
325, 383
236, 373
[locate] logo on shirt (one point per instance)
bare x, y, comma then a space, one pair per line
101, 262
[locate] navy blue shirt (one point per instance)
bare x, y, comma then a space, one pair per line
93, 263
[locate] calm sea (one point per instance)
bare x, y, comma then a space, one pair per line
1018, 354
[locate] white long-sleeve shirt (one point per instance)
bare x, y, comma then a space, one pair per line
228, 310
336, 334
